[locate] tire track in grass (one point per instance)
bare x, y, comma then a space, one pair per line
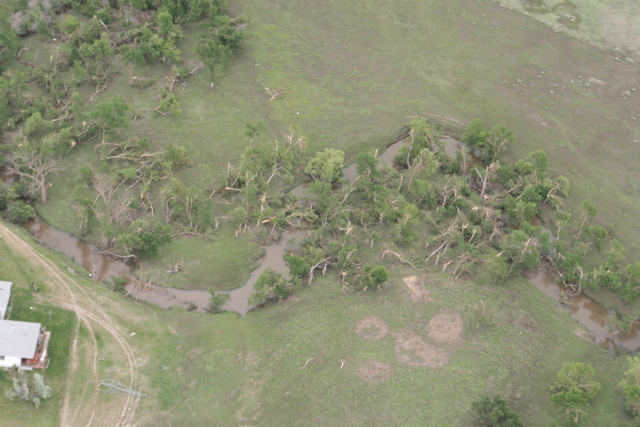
78, 300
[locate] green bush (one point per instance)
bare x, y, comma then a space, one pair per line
374, 277
18, 212
143, 239
118, 283
630, 386
495, 412
271, 285
298, 266
573, 389
218, 299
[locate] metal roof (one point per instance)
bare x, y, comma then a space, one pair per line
5, 294
18, 339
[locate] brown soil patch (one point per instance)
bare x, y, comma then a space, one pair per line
374, 372
596, 81
417, 292
172, 330
372, 328
414, 351
446, 328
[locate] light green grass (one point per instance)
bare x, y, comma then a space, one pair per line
221, 262
354, 71
231, 370
226, 370
604, 23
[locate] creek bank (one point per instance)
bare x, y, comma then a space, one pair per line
587, 311
591, 314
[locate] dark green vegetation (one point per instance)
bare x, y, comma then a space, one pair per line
495, 412
346, 75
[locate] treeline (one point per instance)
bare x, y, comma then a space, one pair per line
43, 117
473, 215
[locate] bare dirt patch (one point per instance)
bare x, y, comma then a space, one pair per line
446, 328
374, 371
416, 290
412, 350
372, 328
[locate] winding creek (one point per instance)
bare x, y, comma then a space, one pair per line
588, 312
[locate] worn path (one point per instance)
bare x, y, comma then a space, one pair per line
81, 404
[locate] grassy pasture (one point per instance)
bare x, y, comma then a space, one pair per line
282, 364
352, 72
255, 370
608, 24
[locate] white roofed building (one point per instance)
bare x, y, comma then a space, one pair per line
22, 344
5, 296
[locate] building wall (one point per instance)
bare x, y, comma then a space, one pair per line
9, 362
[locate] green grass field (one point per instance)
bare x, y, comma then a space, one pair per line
252, 371
608, 24
283, 362
352, 72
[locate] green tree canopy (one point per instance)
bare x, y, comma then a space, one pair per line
630, 386
574, 388
217, 48
494, 412
326, 165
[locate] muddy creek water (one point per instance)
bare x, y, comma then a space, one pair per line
101, 267
590, 313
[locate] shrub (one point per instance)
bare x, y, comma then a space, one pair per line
18, 212
573, 389
118, 283
218, 299
28, 389
271, 285
630, 386
145, 240
495, 412
374, 277
298, 266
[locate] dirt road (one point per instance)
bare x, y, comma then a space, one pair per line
82, 404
